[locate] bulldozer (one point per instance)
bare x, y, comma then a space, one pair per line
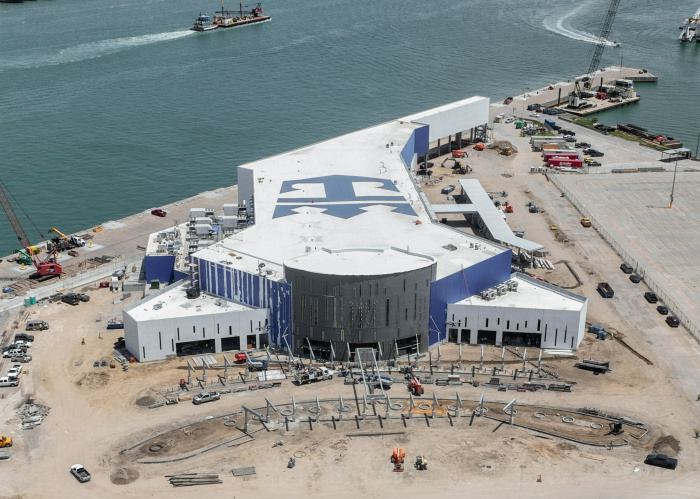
421, 463
398, 458
415, 386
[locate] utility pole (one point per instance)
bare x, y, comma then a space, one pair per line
673, 186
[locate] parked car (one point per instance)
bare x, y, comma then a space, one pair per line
21, 358
159, 212
584, 145
594, 153
429, 164
5, 381
673, 321
36, 325
205, 397
8, 354
510, 120
104, 284
118, 274
626, 268
567, 133
662, 309
635, 278
21, 344
24, 336
662, 461
569, 138
650, 297
70, 299
80, 473
82, 297
448, 189
594, 163
16, 370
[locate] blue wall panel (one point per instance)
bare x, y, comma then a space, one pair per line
408, 150
253, 290
418, 143
178, 276
422, 141
160, 267
464, 284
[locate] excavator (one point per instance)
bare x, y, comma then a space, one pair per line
415, 387
421, 463
398, 458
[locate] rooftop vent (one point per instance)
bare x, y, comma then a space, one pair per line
450, 247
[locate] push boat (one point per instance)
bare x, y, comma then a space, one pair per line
203, 23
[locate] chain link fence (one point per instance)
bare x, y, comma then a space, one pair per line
650, 276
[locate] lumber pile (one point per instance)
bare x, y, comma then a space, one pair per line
190, 479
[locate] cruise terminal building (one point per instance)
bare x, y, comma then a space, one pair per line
342, 250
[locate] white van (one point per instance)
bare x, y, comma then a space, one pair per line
36, 325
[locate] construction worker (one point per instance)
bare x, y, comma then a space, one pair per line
83, 342
611, 446
697, 433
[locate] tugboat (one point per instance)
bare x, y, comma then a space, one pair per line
233, 18
203, 23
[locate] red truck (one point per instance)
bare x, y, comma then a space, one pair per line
571, 163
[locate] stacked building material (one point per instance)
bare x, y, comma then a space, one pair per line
190, 479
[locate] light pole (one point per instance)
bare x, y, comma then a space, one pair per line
673, 186
696, 146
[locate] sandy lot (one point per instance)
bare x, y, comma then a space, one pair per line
96, 412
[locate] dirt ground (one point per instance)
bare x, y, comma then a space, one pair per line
97, 412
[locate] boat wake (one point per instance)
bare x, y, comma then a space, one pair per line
562, 26
91, 50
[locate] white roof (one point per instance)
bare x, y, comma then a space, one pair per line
371, 261
529, 293
173, 303
349, 193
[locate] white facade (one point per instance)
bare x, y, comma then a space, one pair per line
156, 325
535, 314
454, 117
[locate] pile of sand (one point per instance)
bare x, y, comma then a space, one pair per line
502, 145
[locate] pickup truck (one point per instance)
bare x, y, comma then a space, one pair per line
605, 290
21, 357
80, 473
205, 397
5, 381
5, 441
14, 371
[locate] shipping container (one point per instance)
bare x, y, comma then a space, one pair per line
571, 163
550, 157
557, 152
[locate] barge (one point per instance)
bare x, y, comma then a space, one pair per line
234, 18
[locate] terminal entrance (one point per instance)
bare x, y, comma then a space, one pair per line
320, 349
522, 339
485, 337
355, 346
232, 343
195, 347
407, 346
